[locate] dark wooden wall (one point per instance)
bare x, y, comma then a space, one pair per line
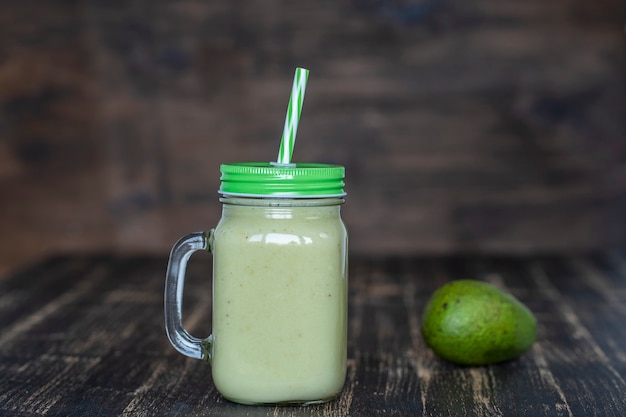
464, 126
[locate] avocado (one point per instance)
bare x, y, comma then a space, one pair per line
471, 322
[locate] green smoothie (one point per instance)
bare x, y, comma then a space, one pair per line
279, 313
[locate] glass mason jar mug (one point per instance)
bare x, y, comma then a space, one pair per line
279, 330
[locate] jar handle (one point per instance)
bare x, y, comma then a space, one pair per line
179, 337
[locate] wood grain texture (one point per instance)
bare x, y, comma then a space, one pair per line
84, 335
464, 126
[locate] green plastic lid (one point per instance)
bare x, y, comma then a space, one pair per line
263, 179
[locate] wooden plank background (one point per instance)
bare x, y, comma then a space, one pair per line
482, 126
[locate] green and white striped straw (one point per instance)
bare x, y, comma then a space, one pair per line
293, 116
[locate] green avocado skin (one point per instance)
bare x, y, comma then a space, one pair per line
471, 322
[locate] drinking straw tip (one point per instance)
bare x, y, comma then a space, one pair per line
294, 109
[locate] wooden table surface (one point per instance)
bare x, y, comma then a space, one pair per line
83, 336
